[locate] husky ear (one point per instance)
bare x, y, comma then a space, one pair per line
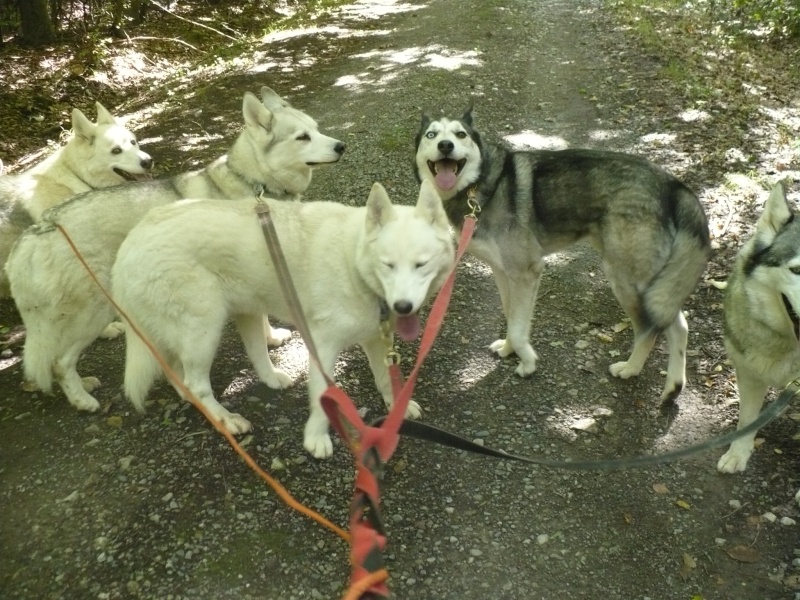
467, 116
255, 113
271, 100
379, 208
103, 116
777, 211
82, 127
429, 206
426, 120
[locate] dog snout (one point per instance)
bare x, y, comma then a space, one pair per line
146, 163
445, 146
339, 148
403, 307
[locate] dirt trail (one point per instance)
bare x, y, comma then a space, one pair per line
116, 505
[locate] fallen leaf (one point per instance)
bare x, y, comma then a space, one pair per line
746, 554
683, 504
687, 566
628, 518
660, 488
114, 421
620, 327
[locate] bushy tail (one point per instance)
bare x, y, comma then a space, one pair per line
691, 249
141, 370
38, 359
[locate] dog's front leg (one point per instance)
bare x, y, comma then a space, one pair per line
375, 349
518, 292
751, 397
316, 438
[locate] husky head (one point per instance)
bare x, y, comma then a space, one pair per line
285, 144
406, 255
448, 153
105, 153
773, 254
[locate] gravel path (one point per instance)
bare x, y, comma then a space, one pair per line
117, 505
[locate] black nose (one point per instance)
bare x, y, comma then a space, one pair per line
403, 307
146, 163
445, 146
339, 148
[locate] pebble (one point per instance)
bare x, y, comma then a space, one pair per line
769, 517
734, 504
788, 521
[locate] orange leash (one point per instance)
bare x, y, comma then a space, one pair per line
281, 491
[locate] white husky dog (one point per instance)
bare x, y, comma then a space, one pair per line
188, 267
62, 308
96, 156
762, 327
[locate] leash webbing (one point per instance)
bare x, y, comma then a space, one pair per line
371, 446
429, 433
375, 445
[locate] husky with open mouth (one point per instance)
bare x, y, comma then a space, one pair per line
762, 327
62, 308
352, 268
649, 227
96, 156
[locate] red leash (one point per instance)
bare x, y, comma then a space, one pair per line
373, 446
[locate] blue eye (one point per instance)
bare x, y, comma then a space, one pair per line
430, 135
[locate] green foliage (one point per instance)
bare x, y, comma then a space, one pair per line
780, 17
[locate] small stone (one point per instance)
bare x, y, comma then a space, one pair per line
542, 539
788, 521
769, 517
476, 552
734, 504
720, 541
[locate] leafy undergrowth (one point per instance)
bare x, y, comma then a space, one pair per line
41, 86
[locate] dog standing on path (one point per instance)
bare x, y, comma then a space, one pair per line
62, 308
189, 267
649, 228
96, 156
762, 327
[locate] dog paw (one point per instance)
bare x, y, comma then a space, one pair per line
671, 391
502, 348
622, 370
279, 380
235, 423
113, 330
90, 384
734, 460
318, 445
276, 336
85, 402
524, 369
413, 411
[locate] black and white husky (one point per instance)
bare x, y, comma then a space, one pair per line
649, 227
762, 327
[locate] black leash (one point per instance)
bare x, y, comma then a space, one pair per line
429, 433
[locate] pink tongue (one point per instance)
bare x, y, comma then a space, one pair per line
446, 174
408, 327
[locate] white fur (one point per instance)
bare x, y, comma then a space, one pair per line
189, 267
62, 308
86, 162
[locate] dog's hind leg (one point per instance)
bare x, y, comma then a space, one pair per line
75, 388
519, 290
275, 336
677, 336
196, 356
751, 397
252, 329
375, 349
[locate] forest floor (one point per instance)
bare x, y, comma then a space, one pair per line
118, 505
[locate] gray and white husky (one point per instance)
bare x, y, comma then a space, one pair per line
211, 259
95, 156
649, 227
62, 308
762, 327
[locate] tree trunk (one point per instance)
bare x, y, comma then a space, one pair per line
37, 29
